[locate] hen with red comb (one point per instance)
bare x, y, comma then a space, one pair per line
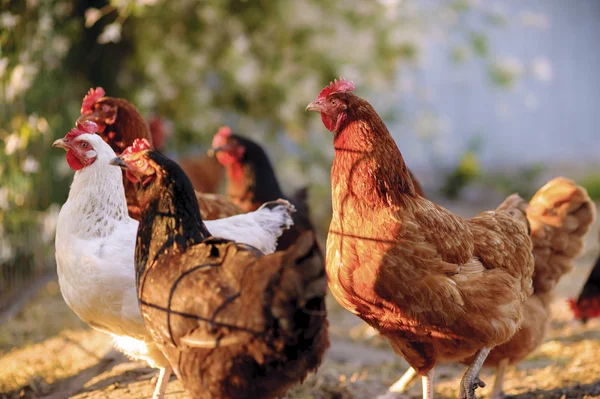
90, 98
81, 128
137, 146
336, 86
332, 110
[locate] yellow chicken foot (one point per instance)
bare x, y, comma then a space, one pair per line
402, 384
470, 381
497, 391
161, 386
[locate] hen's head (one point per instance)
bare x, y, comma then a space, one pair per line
136, 161
154, 174
98, 108
333, 104
83, 146
119, 122
227, 147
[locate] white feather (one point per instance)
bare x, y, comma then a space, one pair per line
260, 228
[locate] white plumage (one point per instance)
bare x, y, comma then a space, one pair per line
95, 245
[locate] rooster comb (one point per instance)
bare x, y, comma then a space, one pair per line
137, 146
90, 98
336, 86
86, 127
224, 131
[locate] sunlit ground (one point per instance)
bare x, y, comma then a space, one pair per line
46, 352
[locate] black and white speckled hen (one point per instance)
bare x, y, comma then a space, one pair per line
233, 323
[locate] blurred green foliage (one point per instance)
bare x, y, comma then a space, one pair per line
466, 172
592, 185
523, 181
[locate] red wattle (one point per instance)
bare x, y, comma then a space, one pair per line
73, 161
131, 177
328, 122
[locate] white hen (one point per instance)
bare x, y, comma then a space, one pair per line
95, 244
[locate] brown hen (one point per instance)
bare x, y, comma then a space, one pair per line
559, 214
233, 322
120, 123
438, 287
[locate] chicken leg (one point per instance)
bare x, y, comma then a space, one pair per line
497, 391
470, 381
161, 385
427, 381
402, 384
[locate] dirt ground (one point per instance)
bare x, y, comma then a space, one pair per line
47, 352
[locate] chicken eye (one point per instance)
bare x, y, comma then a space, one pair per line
332, 102
140, 162
83, 144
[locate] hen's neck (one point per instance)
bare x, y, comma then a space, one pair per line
368, 165
96, 203
250, 185
170, 220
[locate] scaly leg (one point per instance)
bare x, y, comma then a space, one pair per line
470, 381
427, 381
497, 392
402, 384
161, 385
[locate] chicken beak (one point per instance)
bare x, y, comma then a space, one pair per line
61, 143
213, 151
313, 107
118, 162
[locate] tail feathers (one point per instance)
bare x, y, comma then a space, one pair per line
517, 208
260, 229
275, 216
559, 214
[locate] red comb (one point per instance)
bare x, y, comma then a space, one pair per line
336, 87
86, 127
224, 131
137, 146
90, 98
220, 138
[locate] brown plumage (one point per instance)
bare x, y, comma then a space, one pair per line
232, 322
120, 123
439, 287
559, 215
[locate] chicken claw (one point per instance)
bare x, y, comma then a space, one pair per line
470, 381
467, 391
